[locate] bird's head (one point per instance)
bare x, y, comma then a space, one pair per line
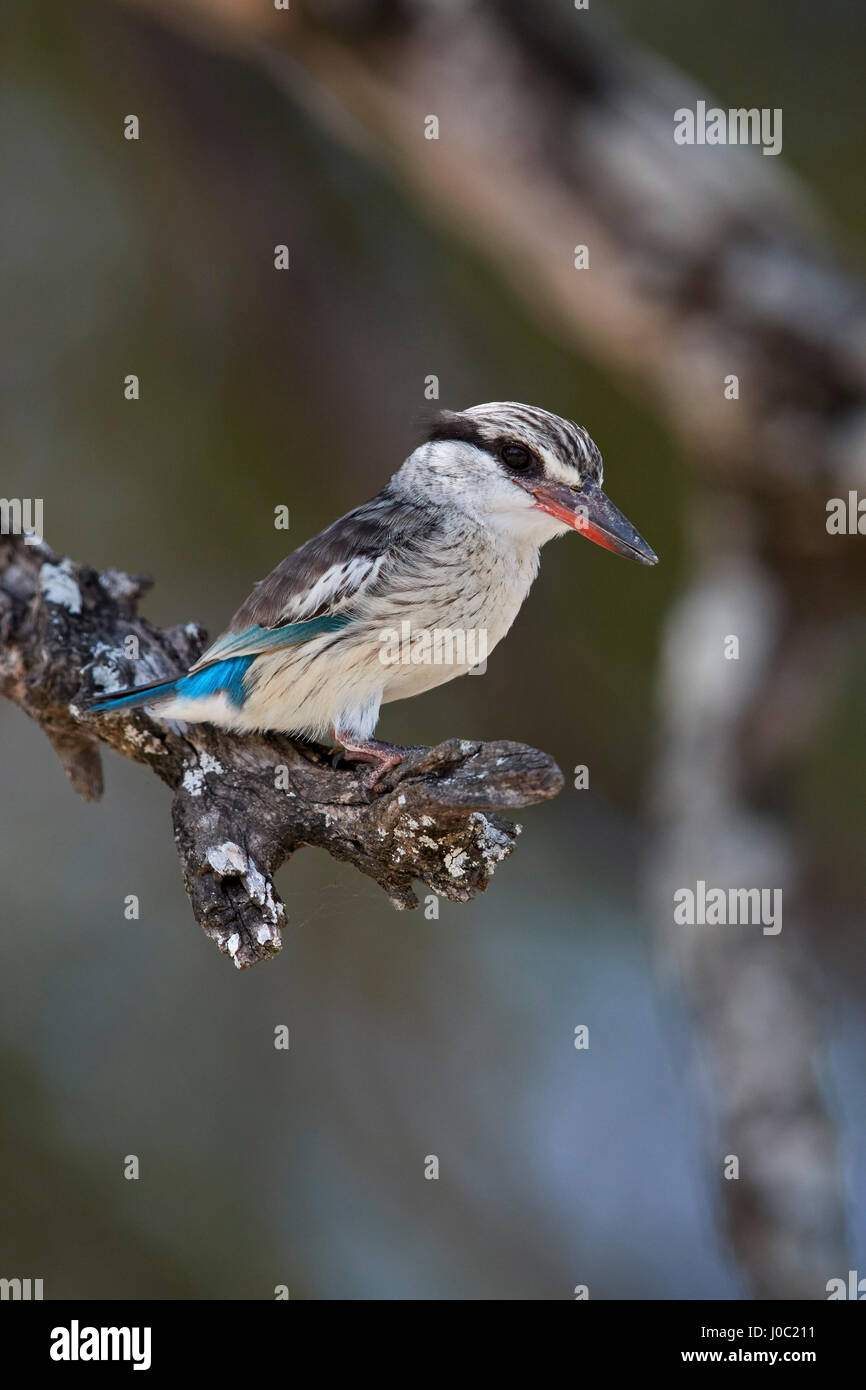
524, 470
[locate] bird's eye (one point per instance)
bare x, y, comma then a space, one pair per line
516, 457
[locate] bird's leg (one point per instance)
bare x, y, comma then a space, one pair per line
384, 756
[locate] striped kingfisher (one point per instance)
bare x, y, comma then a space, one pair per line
450, 545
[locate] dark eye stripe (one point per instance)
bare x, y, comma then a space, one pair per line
513, 423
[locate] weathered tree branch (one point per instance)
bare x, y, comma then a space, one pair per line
243, 805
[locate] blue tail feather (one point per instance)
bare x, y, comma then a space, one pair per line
223, 676
226, 675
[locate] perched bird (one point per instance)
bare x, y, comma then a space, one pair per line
451, 543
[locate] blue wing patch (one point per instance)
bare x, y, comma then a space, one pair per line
258, 640
226, 677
